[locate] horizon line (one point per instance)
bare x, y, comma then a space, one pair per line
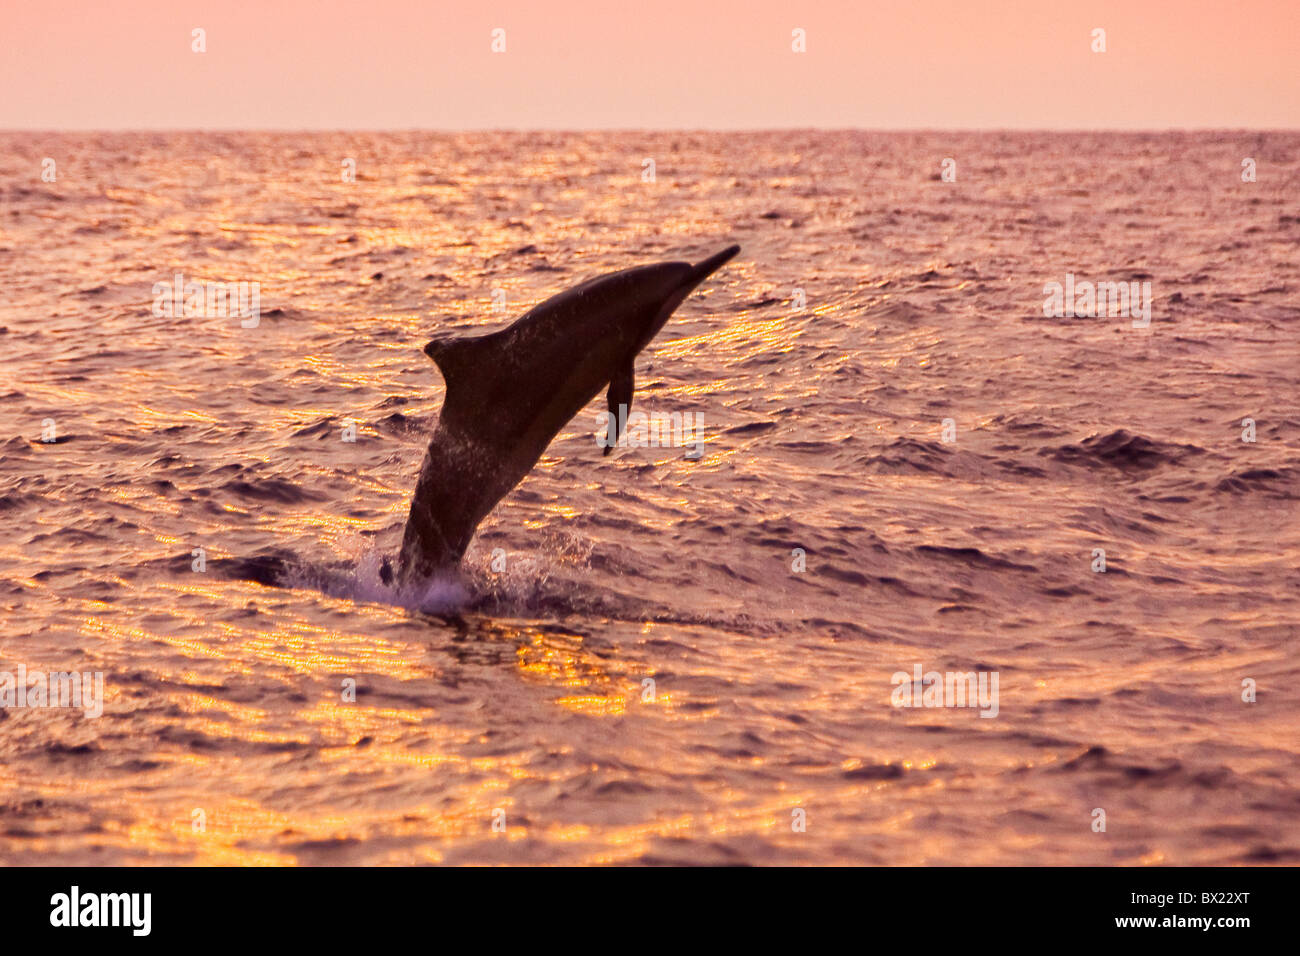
652, 129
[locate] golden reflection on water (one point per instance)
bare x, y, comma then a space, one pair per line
238, 831
745, 334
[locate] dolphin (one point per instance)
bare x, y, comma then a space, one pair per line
510, 392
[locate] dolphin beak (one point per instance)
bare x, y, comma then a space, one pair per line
711, 265
688, 285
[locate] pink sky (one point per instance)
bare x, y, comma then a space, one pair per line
383, 64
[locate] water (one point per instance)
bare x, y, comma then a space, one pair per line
524, 702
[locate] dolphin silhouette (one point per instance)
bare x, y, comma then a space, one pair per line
510, 392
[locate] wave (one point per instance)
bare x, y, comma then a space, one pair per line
1122, 450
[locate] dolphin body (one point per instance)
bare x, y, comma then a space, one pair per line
510, 392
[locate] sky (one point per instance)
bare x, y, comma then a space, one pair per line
666, 64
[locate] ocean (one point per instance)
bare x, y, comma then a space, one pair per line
910, 462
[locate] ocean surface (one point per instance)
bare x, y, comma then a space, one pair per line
656, 674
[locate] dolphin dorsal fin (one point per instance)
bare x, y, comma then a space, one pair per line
457, 358
619, 401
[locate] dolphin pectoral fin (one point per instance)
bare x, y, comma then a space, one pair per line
619, 400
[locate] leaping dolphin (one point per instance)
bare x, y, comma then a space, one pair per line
510, 392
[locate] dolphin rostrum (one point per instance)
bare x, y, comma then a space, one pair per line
510, 392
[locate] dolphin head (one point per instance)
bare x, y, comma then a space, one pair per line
588, 334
